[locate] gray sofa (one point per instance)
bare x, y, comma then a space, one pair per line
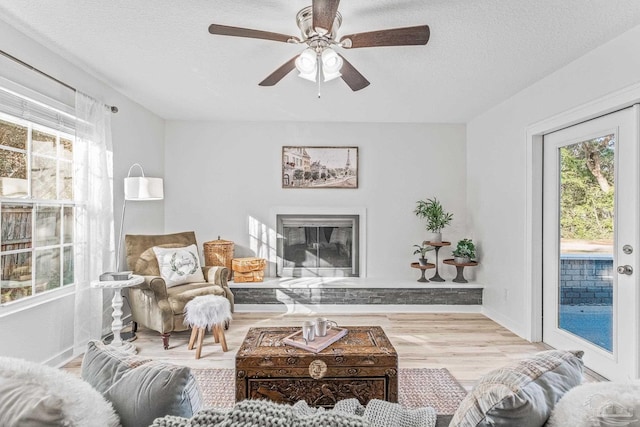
523, 394
129, 390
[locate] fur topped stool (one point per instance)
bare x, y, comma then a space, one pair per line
207, 311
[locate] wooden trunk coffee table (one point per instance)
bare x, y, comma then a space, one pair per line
362, 365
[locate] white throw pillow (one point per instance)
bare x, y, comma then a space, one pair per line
179, 265
32, 394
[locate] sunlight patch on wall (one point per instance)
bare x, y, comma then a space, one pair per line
262, 242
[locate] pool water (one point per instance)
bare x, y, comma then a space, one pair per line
593, 323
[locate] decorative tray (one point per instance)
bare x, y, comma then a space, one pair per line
317, 345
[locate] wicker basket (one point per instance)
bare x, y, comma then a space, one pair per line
245, 265
218, 252
248, 277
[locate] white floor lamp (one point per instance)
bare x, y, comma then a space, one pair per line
138, 188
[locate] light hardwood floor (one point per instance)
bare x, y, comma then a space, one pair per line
468, 345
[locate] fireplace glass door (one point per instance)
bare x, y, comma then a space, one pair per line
317, 246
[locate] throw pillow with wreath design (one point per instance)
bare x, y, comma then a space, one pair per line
179, 265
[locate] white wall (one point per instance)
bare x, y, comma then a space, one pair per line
497, 168
44, 332
219, 175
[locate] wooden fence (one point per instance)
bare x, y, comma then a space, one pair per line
16, 234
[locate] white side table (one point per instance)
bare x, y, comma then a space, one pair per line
116, 304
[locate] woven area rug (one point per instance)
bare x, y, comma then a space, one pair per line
417, 387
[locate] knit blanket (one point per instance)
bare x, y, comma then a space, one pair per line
348, 413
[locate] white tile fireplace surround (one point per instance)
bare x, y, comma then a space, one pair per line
320, 242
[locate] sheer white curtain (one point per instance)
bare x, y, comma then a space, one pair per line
94, 236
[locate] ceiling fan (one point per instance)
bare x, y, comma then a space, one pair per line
319, 24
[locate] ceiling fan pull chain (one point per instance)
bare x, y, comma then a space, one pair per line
319, 62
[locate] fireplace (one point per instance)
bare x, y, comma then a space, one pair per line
318, 245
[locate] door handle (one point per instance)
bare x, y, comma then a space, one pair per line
625, 269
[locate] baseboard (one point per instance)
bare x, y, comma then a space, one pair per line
60, 359
505, 322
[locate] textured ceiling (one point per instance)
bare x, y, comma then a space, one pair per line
160, 54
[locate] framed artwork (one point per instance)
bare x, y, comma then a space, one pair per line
319, 167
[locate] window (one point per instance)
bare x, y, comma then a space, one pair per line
36, 208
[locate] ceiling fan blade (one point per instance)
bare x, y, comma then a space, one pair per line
351, 76
392, 37
224, 30
324, 13
278, 74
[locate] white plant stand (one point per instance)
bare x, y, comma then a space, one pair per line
116, 305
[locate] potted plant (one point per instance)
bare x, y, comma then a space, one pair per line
464, 251
433, 212
422, 250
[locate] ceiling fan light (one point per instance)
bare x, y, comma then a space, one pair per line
307, 61
331, 62
330, 76
309, 76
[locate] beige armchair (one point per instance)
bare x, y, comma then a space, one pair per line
155, 306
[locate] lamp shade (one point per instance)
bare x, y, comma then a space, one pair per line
143, 188
331, 61
331, 64
307, 63
330, 76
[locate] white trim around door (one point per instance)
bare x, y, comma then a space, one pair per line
533, 210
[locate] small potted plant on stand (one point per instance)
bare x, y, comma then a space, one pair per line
432, 211
464, 252
422, 250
